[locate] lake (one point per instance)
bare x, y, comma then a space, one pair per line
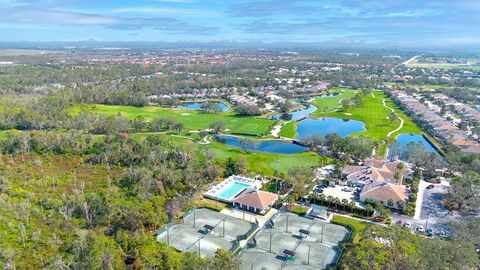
270, 146
328, 125
404, 138
198, 105
295, 115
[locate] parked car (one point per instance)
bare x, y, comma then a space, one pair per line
442, 234
435, 181
407, 225
420, 229
400, 223
319, 189
430, 186
430, 232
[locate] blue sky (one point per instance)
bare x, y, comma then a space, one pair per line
351, 22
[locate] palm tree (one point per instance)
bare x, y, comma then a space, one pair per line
337, 202
329, 200
344, 203
351, 205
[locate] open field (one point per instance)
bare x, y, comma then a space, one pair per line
374, 115
416, 64
328, 104
324, 105
191, 119
257, 162
289, 130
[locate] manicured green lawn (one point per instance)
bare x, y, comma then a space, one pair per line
374, 115
289, 130
257, 162
265, 163
191, 119
328, 104
355, 225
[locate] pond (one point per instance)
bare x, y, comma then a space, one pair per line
405, 138
328, 95
328, 125
295, 115
198, 105
271, 146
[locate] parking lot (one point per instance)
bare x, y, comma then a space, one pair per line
340, 193
430, 213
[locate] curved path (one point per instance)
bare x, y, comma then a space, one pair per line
399, 118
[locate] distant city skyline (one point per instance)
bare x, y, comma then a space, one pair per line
343, 22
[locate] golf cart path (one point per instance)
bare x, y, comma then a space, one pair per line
399, 118
393, 111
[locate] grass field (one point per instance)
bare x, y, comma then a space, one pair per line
373, 114
191, 119
258, 162
328, 104
355, 225
324, 105
289, 130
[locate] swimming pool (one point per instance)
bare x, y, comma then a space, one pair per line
231, 190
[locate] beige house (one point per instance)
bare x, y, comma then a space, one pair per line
254, 200
380, 180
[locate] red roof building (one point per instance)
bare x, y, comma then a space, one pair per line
254, 200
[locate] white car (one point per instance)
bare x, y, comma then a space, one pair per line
408, 225
420, 229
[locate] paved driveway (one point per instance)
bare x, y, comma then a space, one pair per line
430, 212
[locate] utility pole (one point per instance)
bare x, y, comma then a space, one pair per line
199, 246
223, 234
286, 229
194, 218
323, 229
309, 247
270, 249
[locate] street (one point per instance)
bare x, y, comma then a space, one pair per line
430, 212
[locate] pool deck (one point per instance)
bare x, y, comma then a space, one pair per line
221, 191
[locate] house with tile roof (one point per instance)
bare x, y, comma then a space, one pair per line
379, 180
385, 193
378, 171
254, 200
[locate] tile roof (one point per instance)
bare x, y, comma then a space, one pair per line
255, 198
384, 192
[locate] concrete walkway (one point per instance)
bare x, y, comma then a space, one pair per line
399, 118
418, 204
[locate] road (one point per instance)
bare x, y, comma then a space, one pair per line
404, 63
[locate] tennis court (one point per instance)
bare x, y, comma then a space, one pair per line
314, 244
204, 231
